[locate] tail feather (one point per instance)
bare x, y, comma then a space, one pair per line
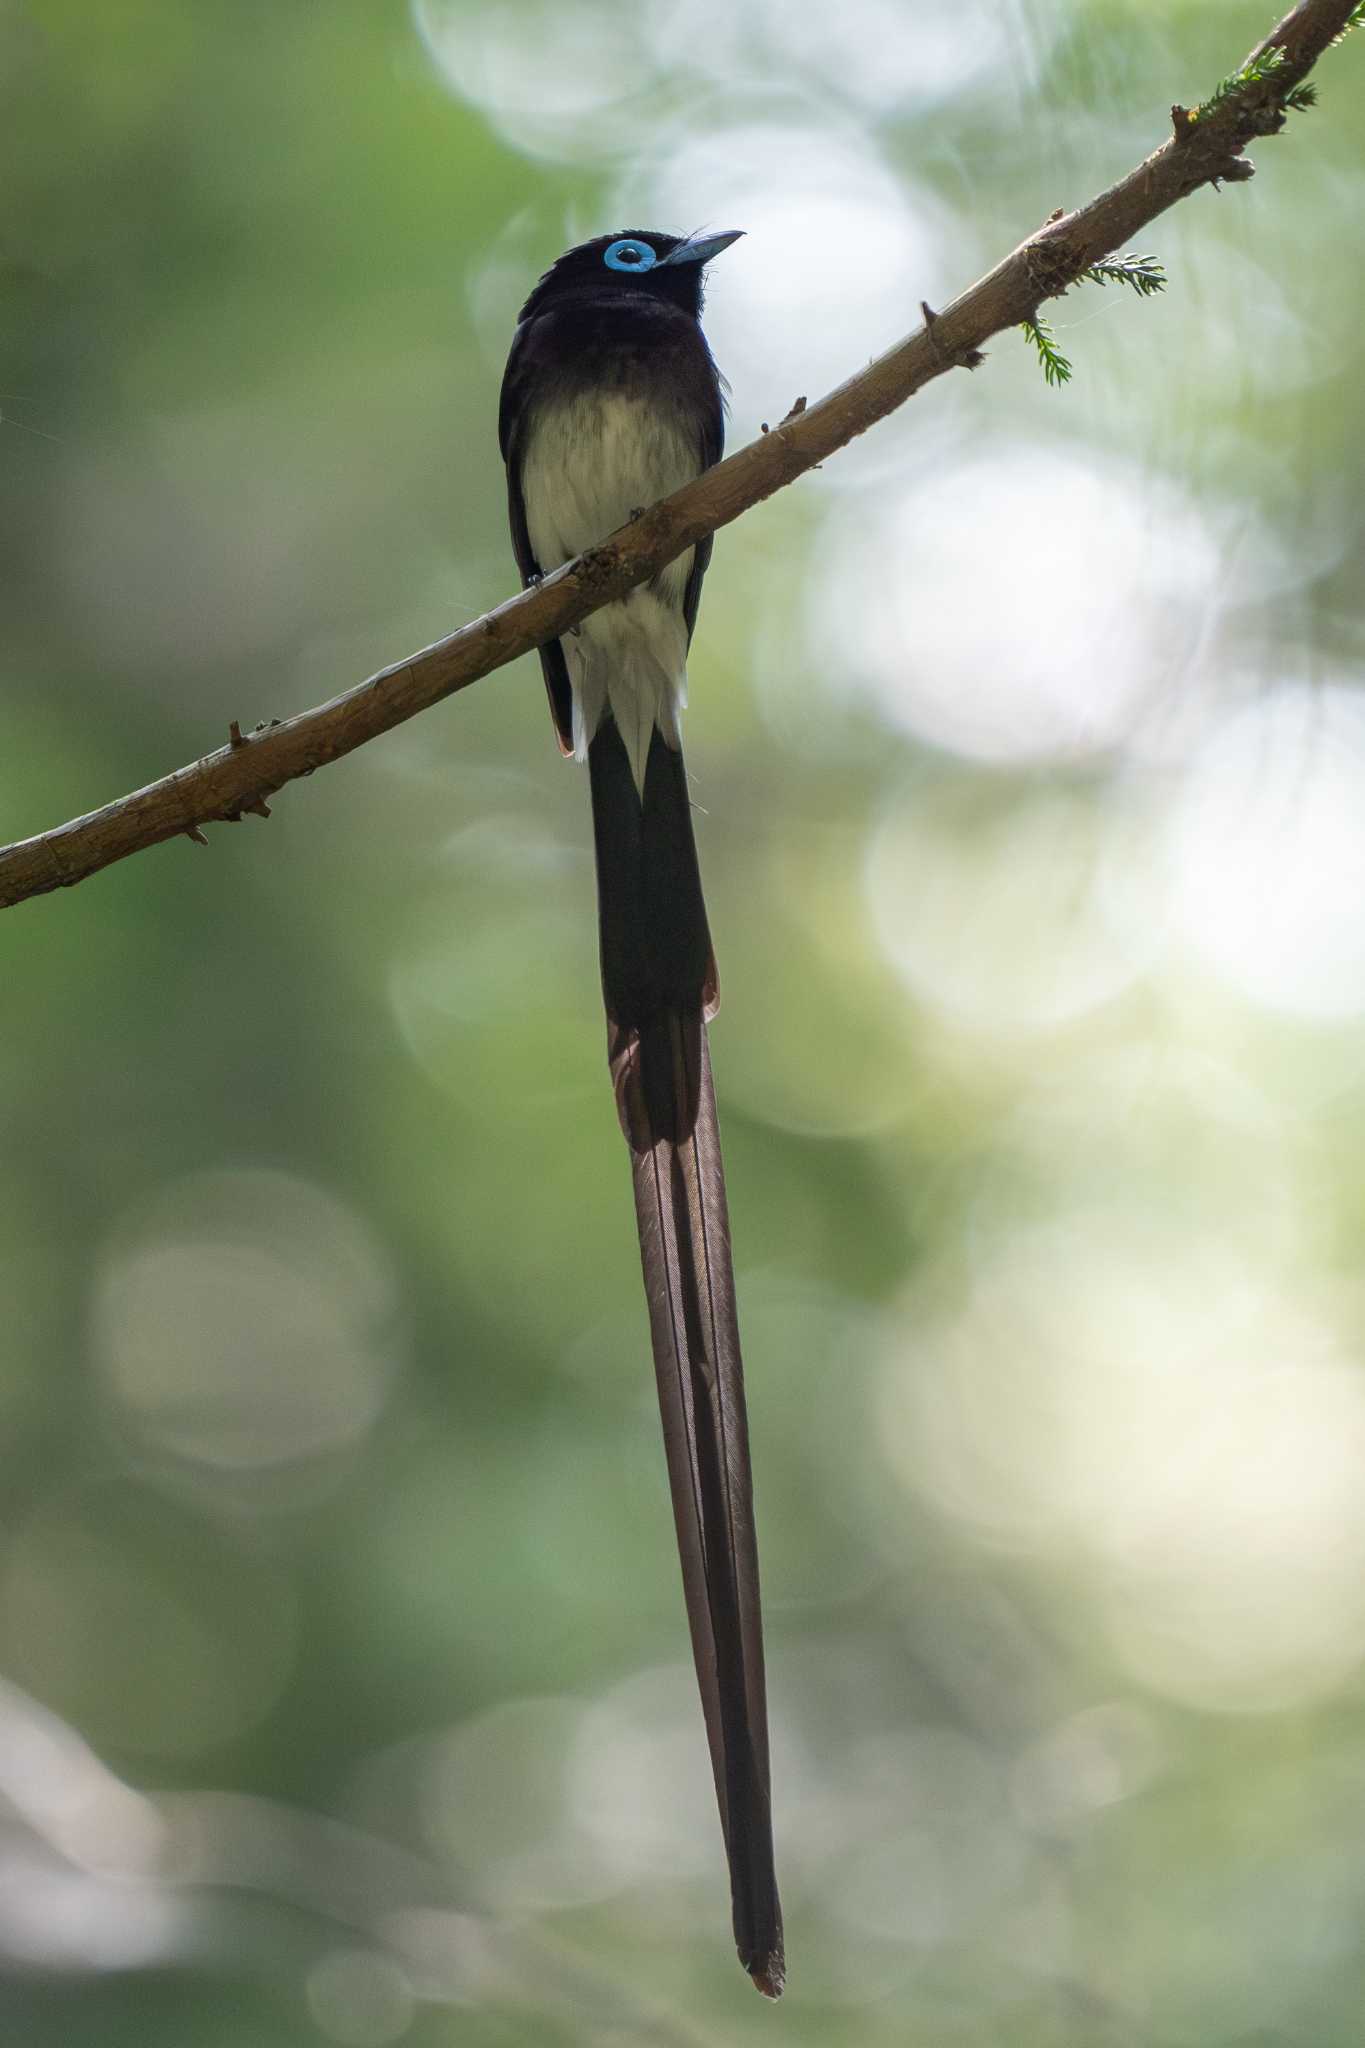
660, 986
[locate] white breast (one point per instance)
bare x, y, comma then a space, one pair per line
590, 462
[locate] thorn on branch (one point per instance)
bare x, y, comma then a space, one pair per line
193, 832
235, 735
257, 805
1182, 122
798, 406
964, 358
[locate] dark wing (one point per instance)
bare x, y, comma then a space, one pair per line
517, 382
712, 448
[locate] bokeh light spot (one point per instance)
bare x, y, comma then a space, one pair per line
246, 1320
1017, 607
1270, 839
359, 1998
144, 1625
1015, 914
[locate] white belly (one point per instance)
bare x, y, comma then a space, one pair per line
590, 462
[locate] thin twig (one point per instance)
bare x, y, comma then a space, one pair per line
1204, 148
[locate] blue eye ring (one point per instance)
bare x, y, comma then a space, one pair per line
629, 254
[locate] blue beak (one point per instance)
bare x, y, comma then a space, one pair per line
701, 248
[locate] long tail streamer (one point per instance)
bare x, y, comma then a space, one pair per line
659, 982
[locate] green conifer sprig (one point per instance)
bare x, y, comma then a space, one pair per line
1055, 366
1142, 273
1261, 68
1299, 99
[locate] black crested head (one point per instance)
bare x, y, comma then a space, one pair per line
635, 260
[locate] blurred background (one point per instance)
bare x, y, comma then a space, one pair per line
347, 1695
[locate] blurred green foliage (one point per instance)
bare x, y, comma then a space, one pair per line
347, 1680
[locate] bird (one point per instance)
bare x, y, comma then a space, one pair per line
610, 401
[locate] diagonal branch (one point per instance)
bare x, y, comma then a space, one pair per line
1204, 148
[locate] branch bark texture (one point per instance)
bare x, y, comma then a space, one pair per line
1204, 148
